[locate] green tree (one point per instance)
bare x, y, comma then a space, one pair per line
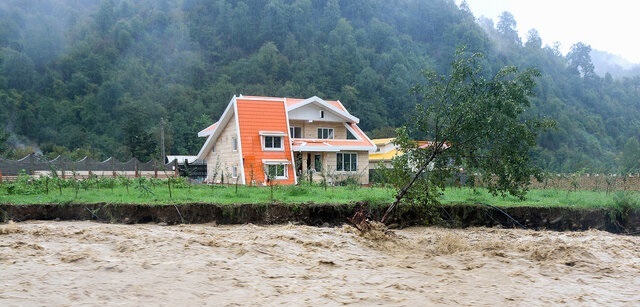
3, 141
533, 39
507, 28
630, 156
17, 68
473, 122
579, 58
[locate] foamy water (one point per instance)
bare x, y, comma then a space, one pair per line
87, 263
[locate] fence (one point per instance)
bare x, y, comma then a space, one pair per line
571, 182
567, 182
39, 166
594, 182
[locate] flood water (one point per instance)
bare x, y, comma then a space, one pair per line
86, 263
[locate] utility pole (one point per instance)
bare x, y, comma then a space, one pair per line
162, 139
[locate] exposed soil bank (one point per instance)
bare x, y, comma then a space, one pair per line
625, 221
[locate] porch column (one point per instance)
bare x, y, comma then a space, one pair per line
305, 165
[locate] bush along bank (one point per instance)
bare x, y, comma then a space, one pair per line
615, 220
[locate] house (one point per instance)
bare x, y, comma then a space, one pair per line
286, 140
189, 166
386, 150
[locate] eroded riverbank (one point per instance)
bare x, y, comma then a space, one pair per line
625, 221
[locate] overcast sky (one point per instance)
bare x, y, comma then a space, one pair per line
609, 26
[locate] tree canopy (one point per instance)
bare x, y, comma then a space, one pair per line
98, 76
474, 124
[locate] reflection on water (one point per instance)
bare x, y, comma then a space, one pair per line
74, 263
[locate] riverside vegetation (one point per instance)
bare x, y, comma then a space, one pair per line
122, 190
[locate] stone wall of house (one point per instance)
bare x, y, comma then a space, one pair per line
333, 176
310, 130
222, 159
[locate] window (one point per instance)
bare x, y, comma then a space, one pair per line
321, 114
273, 142
350, 135
295, 132
317, 163
276, 171
234, 143
234, 172
347, 162
325, 133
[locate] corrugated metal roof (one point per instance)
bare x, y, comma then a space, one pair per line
181, 159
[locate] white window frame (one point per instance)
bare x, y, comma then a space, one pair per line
234, 143
321, 113
292, 131
285, 171
330, 133
340, 165
234, 171
268, 143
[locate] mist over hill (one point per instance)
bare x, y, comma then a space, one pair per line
102, 79
614, 65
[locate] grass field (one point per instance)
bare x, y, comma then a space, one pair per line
158, 193
145, 191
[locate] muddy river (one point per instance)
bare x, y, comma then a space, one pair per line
87, 263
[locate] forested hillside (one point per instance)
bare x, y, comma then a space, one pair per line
102, 79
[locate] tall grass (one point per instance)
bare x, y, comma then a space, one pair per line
153, 191
541, 198
31, 190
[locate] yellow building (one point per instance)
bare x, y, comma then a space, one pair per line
385, 151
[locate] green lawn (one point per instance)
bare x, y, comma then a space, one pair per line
544, 198
157, 192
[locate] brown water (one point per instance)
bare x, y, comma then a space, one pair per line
86, 263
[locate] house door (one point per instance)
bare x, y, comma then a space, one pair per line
317, 162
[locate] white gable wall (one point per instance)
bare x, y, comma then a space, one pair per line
312, 112
223, 156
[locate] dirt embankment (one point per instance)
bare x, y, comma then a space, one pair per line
612, 220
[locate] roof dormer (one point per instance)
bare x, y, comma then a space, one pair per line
315, 108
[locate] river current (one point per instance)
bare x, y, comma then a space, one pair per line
88, 263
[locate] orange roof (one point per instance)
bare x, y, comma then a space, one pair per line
293, 101
255, 116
